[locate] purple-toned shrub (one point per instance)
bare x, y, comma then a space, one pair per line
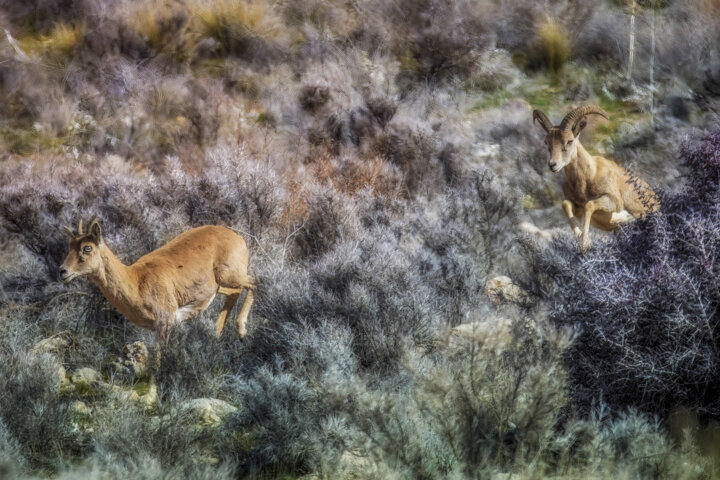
646, 302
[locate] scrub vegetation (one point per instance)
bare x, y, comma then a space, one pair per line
380, 160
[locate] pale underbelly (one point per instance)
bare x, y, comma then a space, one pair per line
191, 310
610, 221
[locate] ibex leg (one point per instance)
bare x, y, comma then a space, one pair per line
242, 318
605, 204
570, 214
230, 302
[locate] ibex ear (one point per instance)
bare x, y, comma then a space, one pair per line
96, 232
579, 126
69, 231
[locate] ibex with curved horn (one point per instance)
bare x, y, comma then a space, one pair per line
168, 285
595, 188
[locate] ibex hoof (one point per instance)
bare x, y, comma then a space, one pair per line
585, 243
242, 332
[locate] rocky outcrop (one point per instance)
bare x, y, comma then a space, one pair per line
206, 412
55, 344
134, 362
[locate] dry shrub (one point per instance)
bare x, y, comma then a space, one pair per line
645, 302
436, 40
247, 29
554, 46
709, 7
603, 38
319, 17
165, 28
374, 174
351, 174
61, 41
297, 206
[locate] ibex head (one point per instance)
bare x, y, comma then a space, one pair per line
561, 140
83, 258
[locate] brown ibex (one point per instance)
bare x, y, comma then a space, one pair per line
168, 285
595, 188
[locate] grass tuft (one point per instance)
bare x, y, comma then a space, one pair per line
554, 45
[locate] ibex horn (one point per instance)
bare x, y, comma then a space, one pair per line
574, 116
543, 119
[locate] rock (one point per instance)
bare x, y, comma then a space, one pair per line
312, 97
80, 408
57, 368
637, 134
148, 395
86, 376
356, 467
61, 374
134, 361
66, 387
207, 412
55, 344
502, 290
124, 395
532, 229
505, 476
494, 333
81, 417
86, 381
485, 151
143, 393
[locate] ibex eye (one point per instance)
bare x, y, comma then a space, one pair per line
87, 249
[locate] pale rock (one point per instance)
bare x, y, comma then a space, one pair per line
532, 229
86, 376
85, 381
134, 361
61, 373
126, 395
493, 333
150, 398
54, 344
207, 412
356, 467
80, 408
501, 289
144, 397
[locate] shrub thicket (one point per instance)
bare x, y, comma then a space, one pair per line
376, 158
645, 303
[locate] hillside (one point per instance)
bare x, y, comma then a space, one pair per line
422, 309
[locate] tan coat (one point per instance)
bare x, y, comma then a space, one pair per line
168, 285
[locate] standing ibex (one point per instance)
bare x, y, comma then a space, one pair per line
168, 285
605, 193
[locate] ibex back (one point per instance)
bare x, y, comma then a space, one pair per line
595, 188
168, 285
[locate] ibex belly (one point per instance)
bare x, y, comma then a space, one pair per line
609, 221
604, 220
192, 309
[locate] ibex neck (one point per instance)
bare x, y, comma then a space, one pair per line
115, 280
582, 165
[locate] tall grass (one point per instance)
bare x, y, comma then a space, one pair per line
554, 45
